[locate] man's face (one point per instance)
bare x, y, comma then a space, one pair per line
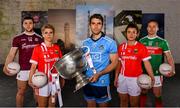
28, 25
131, 34
152, 28
96, 26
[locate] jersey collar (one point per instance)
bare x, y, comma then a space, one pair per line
152, 37
102, 35
132, 45
29, 34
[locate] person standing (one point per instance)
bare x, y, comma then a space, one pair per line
103, 52
157, 48
24, 44
43, 58
131, 55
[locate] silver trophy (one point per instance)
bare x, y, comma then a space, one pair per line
71, 65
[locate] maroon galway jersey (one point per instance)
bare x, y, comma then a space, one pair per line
26, 44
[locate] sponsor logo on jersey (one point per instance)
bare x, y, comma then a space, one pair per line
36, 39
130, 57
150, 43
135, 51
23, 39
156, 44
56, 51
154, 50
145, 43
96, 56
29, 38
101, 47
24, 46
129, 51
50, 60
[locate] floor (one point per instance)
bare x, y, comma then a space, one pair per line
171, 95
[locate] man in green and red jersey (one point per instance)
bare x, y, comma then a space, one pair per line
158, 48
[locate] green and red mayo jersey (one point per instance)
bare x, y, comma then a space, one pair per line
156, 47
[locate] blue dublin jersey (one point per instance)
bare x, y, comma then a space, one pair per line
100, 51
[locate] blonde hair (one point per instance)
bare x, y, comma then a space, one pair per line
49, 26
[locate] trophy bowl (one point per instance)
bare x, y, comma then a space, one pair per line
71, 65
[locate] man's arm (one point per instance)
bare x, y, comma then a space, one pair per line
170, 61
109, 68
117, 73
11, 55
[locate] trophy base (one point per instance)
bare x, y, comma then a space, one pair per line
81, 80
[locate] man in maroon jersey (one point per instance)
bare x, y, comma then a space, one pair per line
24, 43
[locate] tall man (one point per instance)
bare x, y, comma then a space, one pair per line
24, 43
103, 51
158, 48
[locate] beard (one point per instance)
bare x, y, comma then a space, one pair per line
96, 33
29, 30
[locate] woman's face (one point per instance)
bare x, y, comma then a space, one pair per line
48, 34
131, 34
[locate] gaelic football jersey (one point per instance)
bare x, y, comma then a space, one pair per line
131, 57
156, 47
100, 51
45, 57
25, 44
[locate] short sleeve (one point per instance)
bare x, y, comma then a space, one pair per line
60, 52
144, 53
15, 42
119, 51
113, 47
35, 55
165, 46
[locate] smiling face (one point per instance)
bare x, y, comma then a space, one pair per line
131, 34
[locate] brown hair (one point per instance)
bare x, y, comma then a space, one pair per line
132, 25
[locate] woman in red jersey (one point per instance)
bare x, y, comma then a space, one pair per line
131, 54
43, 58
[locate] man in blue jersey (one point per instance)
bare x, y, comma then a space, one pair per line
103, 52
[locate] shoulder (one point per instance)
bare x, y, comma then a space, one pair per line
18, 36
121, 45
86, 40
140, 45
161, 39
37, 35
108, 39
56, 46
143, 38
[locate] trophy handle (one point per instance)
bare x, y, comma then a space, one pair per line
88, 58
88, 50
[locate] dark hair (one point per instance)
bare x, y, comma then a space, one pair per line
28, 18
97, 16
132, 25
155, 21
